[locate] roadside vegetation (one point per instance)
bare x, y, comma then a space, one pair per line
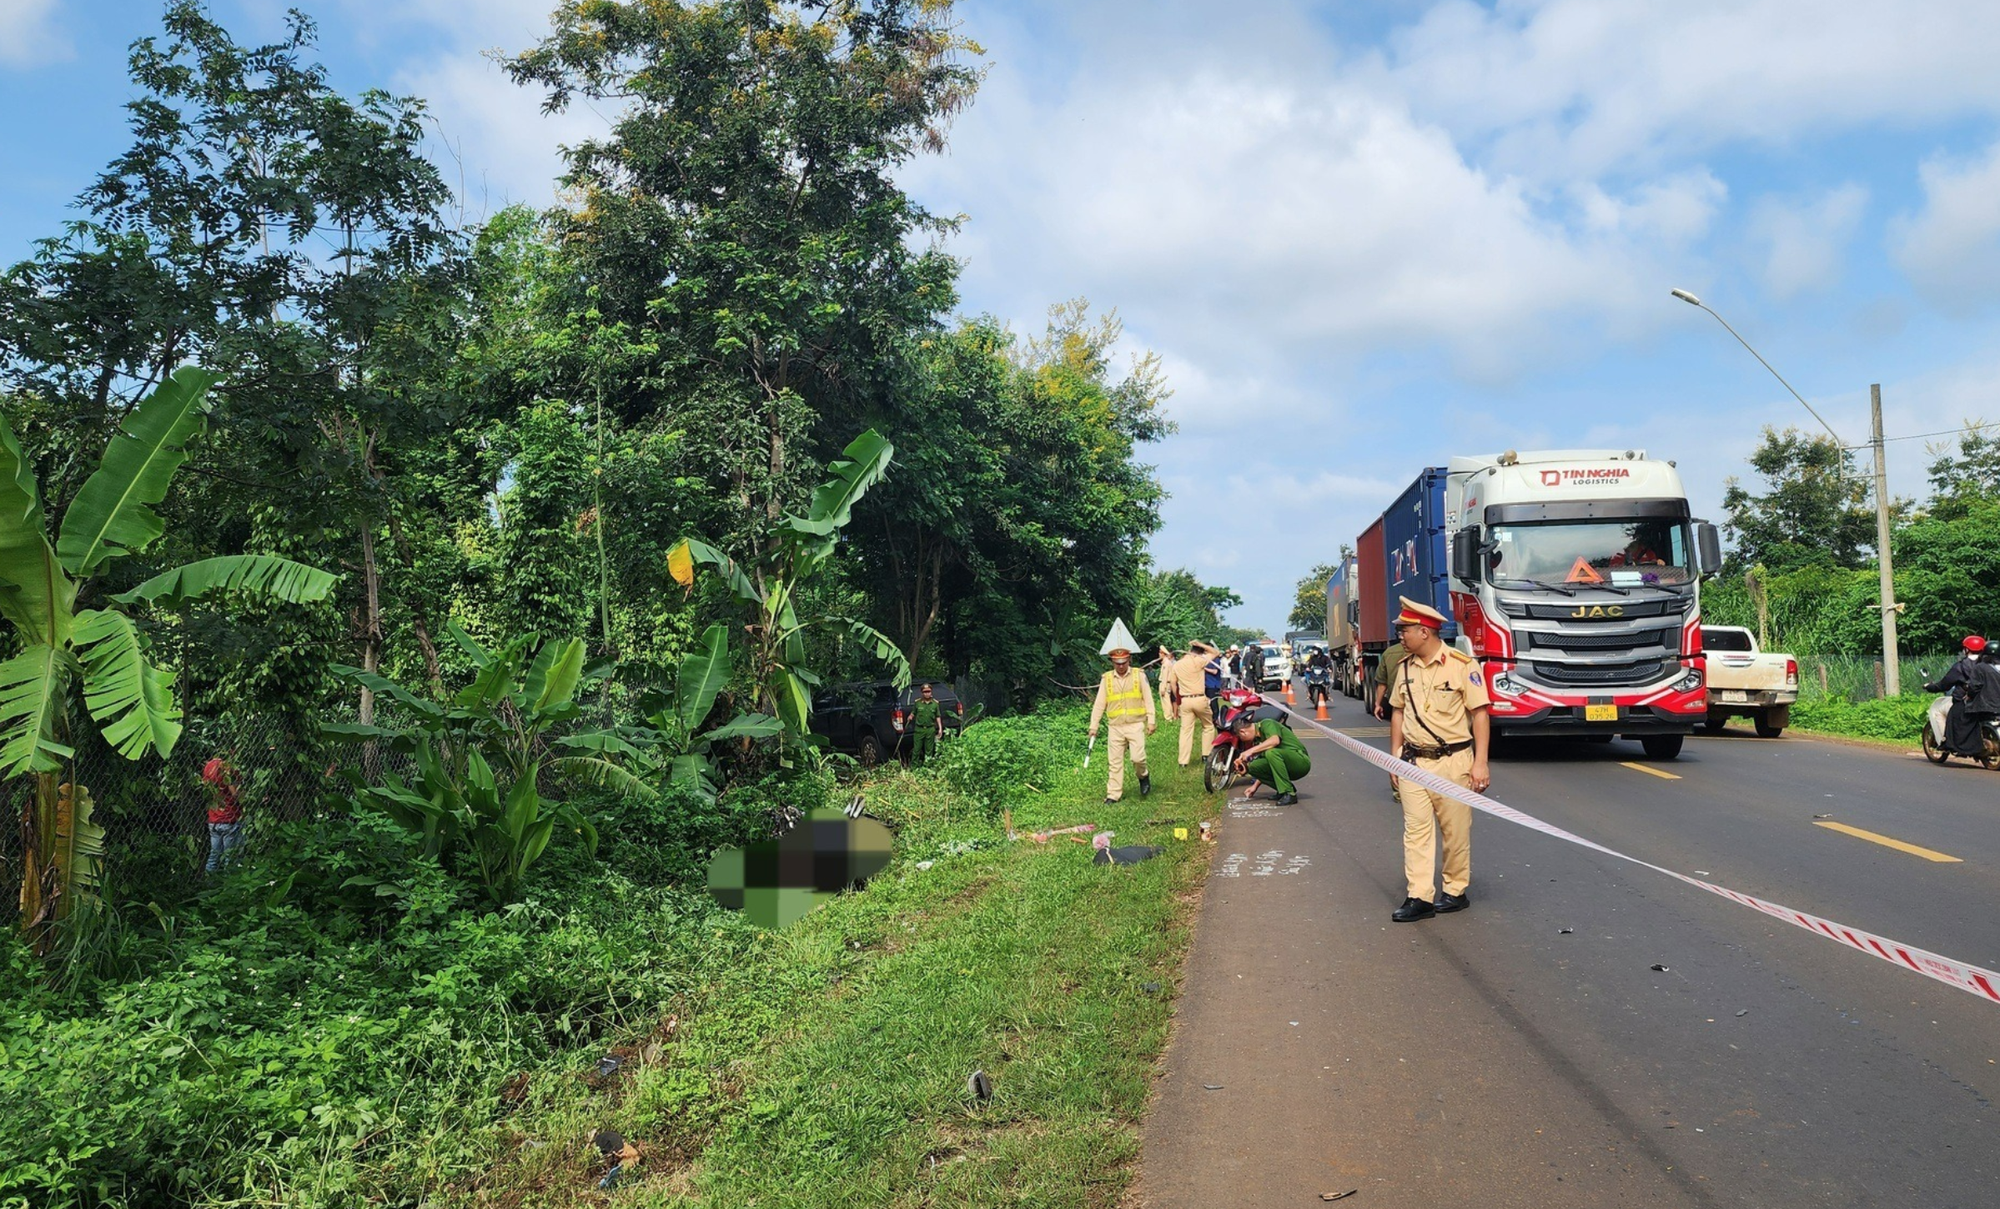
485, 581
369, 1035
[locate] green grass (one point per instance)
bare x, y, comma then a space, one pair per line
291, 1036
829, 1067
1897, 719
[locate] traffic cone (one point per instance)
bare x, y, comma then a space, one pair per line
1320, 713
1289, 698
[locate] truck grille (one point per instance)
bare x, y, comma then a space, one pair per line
1666, 640
1633, 674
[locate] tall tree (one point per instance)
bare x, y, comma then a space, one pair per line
1309, 598
1963, 479
1813, 508
743, 214
292, 239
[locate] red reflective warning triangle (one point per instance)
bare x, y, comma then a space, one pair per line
1583, 573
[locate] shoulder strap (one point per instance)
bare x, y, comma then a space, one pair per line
1414, 711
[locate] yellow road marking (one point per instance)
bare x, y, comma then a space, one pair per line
1366, 732
1886, 842
1651, 772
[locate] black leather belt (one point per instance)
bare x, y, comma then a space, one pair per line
1413, 752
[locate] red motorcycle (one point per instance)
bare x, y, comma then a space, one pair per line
1219, 770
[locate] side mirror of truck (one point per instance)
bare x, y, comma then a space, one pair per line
1708, 549
1465, 555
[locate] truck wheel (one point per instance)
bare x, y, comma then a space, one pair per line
869, 754
1662, 747
1714, 723
1771, 723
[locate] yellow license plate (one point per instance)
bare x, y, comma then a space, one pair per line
1600, 713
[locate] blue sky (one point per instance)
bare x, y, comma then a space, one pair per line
1363, 236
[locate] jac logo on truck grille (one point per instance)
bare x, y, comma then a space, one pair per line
1603, 476
1598, 611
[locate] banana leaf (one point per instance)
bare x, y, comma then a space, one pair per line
557, 670
268, 574
33, 687
860, 466
132, 701
594, 770
77, 855
703, 674
727, 567
35, 594
743, 726
113, 514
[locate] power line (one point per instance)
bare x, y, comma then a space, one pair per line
1919, 436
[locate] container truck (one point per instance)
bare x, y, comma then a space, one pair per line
1341, 609
1572, 576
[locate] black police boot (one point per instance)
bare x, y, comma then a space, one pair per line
1145, 784
1286, 799
1412, 910
1447, 902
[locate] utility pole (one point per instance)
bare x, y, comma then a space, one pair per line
1891, 673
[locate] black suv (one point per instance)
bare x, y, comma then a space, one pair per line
870, 720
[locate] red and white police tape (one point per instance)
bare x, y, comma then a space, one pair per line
1975, 979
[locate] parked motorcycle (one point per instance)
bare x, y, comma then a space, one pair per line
1933, 737
1218, 771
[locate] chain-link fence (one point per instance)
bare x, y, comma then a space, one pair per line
154, 810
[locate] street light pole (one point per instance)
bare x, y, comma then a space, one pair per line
1891, 671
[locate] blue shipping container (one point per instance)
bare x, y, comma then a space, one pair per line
1414, 547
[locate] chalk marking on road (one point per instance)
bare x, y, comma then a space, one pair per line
1651, 772
1928, 854
1965, 976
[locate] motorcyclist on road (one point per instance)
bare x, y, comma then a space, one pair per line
1974, 685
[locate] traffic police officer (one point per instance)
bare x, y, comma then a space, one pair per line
1125, 703
1190, 675
1439, 722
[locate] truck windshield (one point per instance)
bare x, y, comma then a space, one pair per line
1588, 554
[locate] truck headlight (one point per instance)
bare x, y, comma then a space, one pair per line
1689, 682
1504, 684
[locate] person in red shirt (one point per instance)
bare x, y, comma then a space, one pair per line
225, 811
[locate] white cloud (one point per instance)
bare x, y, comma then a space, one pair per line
28, 34
1234, 213
1951, 248
496, 136
1806, 244
1579, 86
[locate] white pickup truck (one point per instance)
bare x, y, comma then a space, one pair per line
1745, 682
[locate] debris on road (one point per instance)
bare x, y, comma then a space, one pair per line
1564, 931
1211, 1087
1662, 969
1338, 1196
1744, 1012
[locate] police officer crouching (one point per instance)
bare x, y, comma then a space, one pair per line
1438, 722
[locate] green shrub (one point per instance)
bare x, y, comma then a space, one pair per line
1899, 718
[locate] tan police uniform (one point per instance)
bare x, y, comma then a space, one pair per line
1197, 717
1125, 704
1441, 691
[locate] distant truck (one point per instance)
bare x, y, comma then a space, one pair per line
1341, 616
1745, 682
1572, 576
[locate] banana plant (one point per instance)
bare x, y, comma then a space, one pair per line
670, 744
480, 756
794, 550
100, 649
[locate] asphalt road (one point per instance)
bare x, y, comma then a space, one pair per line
1526, 1053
